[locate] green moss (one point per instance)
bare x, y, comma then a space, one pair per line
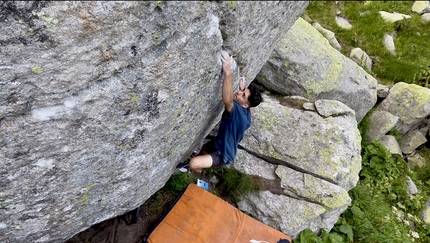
232, 4
88, 187
55, 22
84, 198
263, 77
270, 150
178, 111
309, 211
37, 69
395, 133
156, 36
41, 15
335, 201
134, 98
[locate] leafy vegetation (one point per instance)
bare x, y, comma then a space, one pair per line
395, 133
233, 184
410, 65
381, 209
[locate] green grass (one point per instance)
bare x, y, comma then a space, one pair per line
179, 181
233, 184
395, 133
412, 45
381, 210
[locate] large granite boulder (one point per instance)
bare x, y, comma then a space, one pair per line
312, 155
303, 63
100, 100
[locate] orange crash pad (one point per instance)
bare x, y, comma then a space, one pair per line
198, 216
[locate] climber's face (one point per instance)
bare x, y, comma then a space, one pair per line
242, 97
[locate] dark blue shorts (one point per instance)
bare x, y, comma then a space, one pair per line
217, 158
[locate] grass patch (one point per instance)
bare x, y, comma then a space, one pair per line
363, 126
395, 133
412, 48
179, 181
233, 184
423, 173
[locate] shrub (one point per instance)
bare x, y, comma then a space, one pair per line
233, 184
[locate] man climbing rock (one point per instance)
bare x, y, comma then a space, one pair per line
236, 118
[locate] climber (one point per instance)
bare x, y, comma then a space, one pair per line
236, 118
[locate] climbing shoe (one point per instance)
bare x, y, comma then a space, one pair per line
183, 167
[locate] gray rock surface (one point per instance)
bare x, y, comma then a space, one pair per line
329, 35
305, 64
410, 102
415, 161
100, 100
389, 44
393, 17
314, 181
282, 207
425, 18
382, 91
412, 188
361, 58
343, 23
411, 141
338, 158
426, 213
380, 123
421, 7
391, 144
251, 165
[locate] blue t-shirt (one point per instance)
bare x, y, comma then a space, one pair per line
231, 130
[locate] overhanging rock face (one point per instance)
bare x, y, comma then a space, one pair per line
100, 100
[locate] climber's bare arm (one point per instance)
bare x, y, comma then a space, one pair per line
227, 86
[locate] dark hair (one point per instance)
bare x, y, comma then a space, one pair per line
255, 98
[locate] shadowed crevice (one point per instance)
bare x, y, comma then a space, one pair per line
289, 165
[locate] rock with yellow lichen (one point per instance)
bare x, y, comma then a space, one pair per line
409, 102
304, 63
313, 155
